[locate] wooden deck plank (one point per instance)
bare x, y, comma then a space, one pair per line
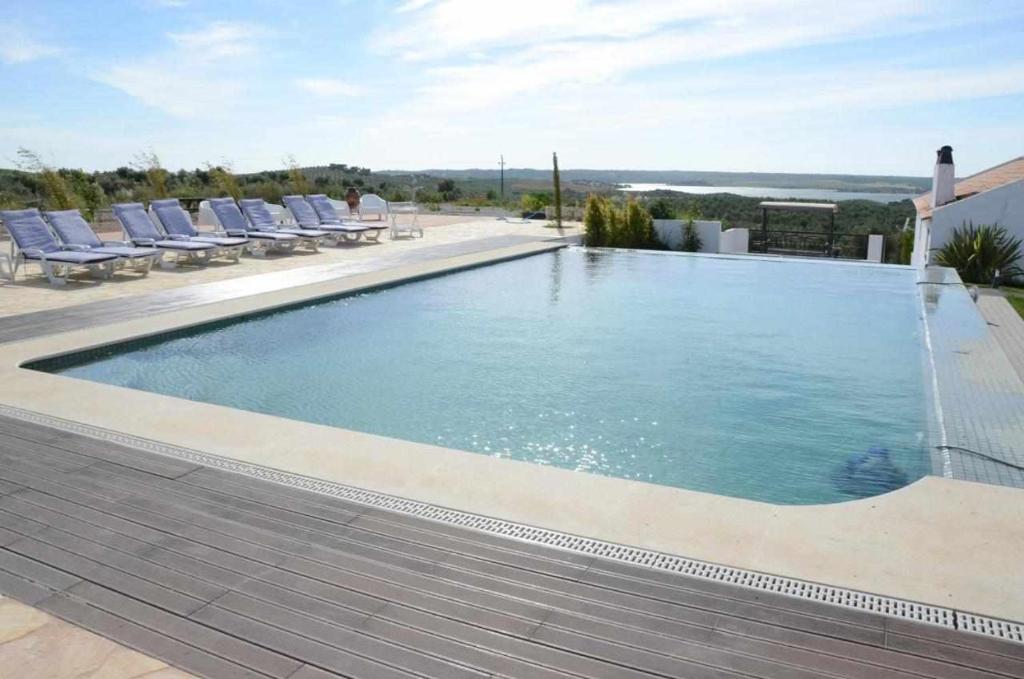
222, 575
154, 644
536, 582
186, 631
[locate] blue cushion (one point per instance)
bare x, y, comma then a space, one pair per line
228, 214
125, 251
189, 245
256, 210
324, 208
136, 221
172, 217
28, 230
72, 228
303, 212
74, 257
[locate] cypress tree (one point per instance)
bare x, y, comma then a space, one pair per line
558, 191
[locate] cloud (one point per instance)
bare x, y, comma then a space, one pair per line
582, 43
329, 88
18, 47
220, 39
201, 75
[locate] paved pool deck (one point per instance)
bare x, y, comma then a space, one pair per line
941, 541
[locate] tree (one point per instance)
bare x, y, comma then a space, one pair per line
296, 176
558, 191
148, 163
691, 239
448, 190
225, 181
58, 194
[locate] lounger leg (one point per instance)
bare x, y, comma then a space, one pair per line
53, 274
167, 264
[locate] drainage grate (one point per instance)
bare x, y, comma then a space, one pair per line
887, 606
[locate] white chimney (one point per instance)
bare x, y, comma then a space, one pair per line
943, 181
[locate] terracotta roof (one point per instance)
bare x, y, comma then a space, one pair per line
985, 180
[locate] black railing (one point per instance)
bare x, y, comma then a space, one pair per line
810, 244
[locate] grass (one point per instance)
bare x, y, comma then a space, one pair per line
1016, 300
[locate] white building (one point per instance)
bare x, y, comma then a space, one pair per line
994, 196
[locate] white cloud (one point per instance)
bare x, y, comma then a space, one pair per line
329, 88
18, 47
220, 39
202, 74
583, 44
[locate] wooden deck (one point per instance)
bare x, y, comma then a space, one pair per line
222, 575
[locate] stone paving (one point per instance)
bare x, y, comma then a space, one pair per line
38, 645
33, 293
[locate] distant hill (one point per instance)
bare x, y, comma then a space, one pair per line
838, 182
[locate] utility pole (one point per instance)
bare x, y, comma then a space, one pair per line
501, 164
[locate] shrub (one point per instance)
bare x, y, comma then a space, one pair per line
691, 240
976, 252
906, 245
59, 195
638, 227
595, 222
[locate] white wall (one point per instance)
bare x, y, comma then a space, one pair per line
1003, 206
670, 231
876, 247
735, 241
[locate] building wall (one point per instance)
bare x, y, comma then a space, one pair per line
670, 231
1003, 206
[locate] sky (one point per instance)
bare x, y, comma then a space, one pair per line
863, 87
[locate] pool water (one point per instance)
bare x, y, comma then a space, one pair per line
756, 378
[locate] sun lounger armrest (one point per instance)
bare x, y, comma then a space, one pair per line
178, 236
216, 232
76, 248
237, 232
144, 241
117, 243
33, 252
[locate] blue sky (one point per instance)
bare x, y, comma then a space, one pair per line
747, 85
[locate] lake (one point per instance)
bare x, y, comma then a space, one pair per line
765, 192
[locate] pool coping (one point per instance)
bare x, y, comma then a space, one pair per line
960, 540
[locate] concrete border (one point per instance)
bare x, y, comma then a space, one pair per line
939, 541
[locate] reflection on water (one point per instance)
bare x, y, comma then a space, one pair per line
744, 377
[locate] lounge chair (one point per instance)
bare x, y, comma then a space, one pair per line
259, 216
372, 204
31, 240
234, 223
307, 218
178, 226
328, 215
141, 231
73, 230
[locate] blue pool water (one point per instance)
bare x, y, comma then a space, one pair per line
746, 377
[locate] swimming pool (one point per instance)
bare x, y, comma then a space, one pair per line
756, 378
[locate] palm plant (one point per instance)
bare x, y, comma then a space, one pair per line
977, 252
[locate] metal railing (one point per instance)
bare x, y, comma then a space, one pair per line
810, 244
